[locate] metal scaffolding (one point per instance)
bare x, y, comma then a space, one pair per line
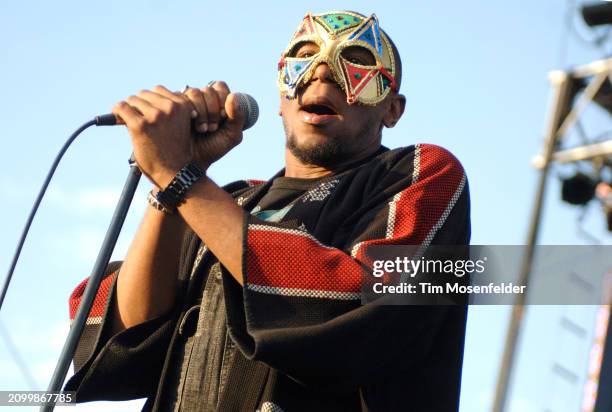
594, 81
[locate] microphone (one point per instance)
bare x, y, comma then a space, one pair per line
246, 104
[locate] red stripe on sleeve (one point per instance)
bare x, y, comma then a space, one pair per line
306, 265
99, 305
418, 210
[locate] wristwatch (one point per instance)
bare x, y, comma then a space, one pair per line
174, 194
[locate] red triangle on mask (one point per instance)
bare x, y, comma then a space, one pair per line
357, 78
306, 27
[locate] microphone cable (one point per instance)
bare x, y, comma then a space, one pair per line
105, 120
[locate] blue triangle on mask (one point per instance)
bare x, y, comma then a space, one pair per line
369, 33
295, 69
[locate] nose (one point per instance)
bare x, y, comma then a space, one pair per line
322, 73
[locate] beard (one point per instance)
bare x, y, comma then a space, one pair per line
327, 154
335, 150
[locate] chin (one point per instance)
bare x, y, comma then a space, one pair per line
317, 149
311, 140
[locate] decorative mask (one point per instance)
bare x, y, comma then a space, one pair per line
333, 32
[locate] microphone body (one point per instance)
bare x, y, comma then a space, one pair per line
246, 104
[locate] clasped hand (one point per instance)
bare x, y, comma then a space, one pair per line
169, 129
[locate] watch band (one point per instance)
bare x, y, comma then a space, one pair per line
174, 194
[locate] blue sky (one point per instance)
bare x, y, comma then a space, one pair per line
475, 78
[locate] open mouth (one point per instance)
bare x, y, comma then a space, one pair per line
319, 109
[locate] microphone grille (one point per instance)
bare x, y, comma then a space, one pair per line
248, 106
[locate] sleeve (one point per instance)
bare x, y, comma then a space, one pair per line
126, 365
120, 367
299, 310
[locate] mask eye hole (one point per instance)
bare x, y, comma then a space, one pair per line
359, 55
304, 50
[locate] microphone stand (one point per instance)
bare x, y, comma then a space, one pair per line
104, 255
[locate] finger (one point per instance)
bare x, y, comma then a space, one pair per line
177, 98
157, 100
130, 116
197, 100
213, 106
235, 116
222, 91
149, 112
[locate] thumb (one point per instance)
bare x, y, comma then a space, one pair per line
235, 116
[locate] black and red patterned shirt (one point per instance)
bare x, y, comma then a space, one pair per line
296, 336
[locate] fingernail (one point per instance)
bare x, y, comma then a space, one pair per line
212, 127
194, 114
203, 128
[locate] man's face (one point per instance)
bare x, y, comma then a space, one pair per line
338, 87
320, 126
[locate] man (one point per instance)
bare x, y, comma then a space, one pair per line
260, 309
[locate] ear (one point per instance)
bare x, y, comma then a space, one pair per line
395, 110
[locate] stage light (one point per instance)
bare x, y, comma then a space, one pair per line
578, 189
597, 14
